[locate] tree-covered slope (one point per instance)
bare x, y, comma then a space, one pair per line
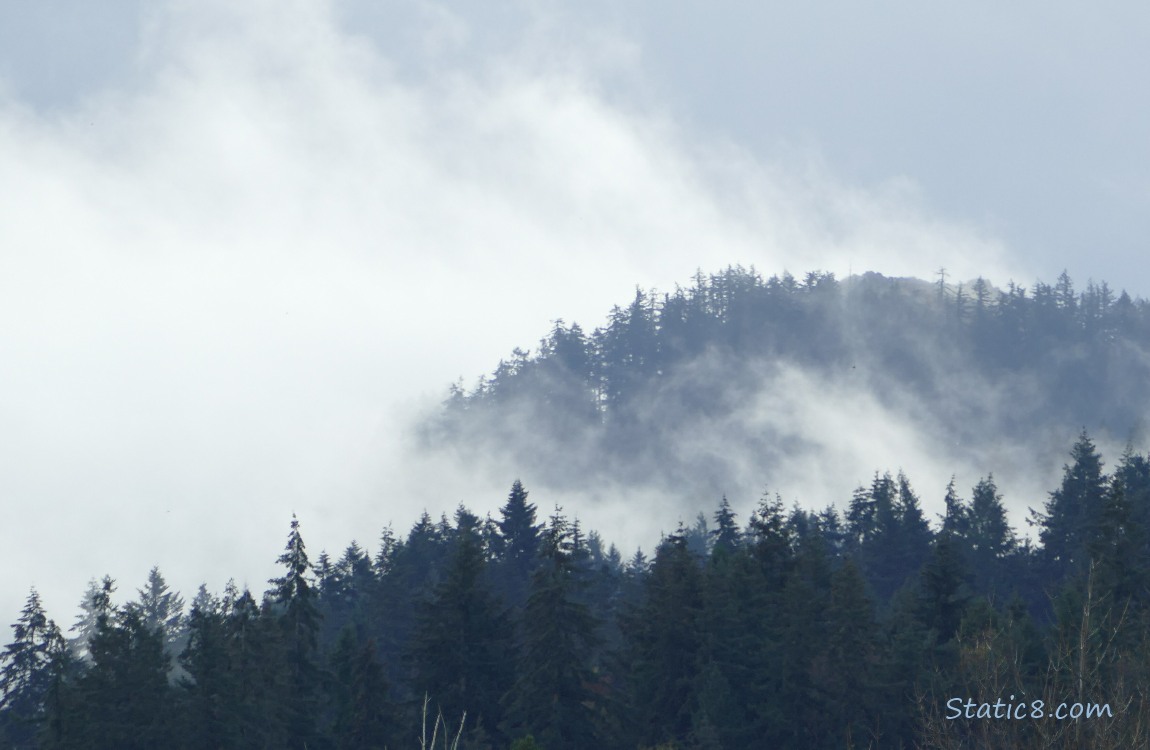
740, 376
786, 628
842, 621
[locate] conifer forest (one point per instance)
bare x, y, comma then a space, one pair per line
865, 621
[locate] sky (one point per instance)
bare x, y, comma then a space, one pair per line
244, 246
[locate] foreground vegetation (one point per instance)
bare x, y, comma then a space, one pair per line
795, 629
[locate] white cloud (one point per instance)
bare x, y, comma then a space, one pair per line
227, 281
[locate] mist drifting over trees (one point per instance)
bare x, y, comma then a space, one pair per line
736, 382
837, 621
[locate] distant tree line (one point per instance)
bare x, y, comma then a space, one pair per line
794, 628
818, 320
619, 401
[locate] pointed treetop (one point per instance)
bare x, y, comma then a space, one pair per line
952, 521
160, 608
26, 662
1085, 453
466, 522
726, 536
388, 544
205, 601
987, 526
96, 605
294, 583
518, 531
517, 511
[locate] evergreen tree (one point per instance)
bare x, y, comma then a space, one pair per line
1072, 511
803, 634
30, 666
772, 542
1118, 549
665, 639
67, 722
852, 655
944, 589
913, 536
860, 520
363, 716
773, 546
726, 536
699, 537
461, 640
1064, 293
890, 532
162, 610
518, 541
346, 593
563, 376
552, 697
988, 540
988, 530
413, 567
209, 687
294, 602
1133, 473
907, 665
97, 601
737, 682
325, 578
122, 700
255, 682
628, 351
954, 520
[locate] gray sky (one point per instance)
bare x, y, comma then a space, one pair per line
242, 244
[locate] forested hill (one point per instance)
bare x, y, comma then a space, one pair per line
858, 626
690, 388
783, 629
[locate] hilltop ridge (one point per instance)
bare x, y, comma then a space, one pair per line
735, 375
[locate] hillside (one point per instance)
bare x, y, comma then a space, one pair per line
865, 625
738, 381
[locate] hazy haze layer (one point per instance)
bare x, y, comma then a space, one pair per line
242, 246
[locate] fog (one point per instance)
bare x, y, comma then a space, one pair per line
804, 394
245, 248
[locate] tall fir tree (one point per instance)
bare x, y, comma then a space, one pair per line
1118, 551
913, 536
553, 697
989, 541
66, 720
665, 639
954, 518
30, 667
944, 589
852, 654
460, 645
1072, 512
97, 600
161, 609
726, 536
209, 688
801, 629
293, 601
255, 672
122, 699
518, 546
414, 567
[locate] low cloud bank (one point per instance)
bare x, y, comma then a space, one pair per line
234, 273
